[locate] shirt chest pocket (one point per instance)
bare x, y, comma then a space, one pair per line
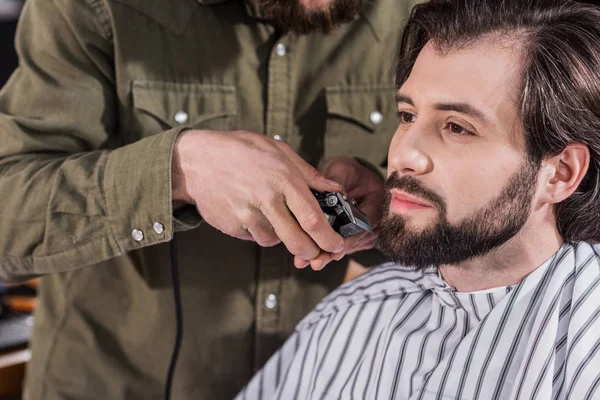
361, 121
159, 106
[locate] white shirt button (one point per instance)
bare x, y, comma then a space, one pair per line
278, 137
281, 50
137, 235
376, 117
181, 117
158, 227
271, 301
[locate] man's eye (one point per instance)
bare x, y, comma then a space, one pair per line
406, 118
458, 130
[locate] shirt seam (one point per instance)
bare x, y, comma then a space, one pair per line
78, 40
30, 260
102, 180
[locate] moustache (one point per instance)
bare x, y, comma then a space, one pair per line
413, 186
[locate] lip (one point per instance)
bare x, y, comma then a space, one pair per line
401, 201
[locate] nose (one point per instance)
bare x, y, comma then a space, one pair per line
408, 152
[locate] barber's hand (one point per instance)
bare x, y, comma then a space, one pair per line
367, 189
253, 187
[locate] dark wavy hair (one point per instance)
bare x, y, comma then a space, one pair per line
559, 100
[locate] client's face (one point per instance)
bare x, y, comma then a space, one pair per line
459, 182
305, 16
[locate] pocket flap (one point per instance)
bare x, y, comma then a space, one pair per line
366, 105
200, 102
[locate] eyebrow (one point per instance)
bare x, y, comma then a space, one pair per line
463, 108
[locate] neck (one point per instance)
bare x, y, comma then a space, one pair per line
509, 264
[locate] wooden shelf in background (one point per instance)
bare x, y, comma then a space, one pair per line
12, 371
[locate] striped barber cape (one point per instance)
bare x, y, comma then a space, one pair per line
395, 333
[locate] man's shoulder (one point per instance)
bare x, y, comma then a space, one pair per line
595, 247
381, 283
586, 256
583, 254
574, 268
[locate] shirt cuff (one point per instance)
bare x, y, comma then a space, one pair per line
186, 218
137, 187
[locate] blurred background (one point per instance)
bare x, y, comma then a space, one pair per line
17, 301
9, 12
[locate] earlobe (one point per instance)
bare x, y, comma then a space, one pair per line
569, 169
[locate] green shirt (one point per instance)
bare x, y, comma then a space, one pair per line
87, 125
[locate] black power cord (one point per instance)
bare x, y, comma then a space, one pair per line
178, 317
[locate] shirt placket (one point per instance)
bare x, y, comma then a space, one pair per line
278, 90
273, 261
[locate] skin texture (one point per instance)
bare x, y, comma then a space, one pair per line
264, 196
467, 159
367, 189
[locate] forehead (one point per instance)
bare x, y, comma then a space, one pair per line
485, 74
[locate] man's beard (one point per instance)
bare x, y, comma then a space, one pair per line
292, 15
444, 243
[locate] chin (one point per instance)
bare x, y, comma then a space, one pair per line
414, 224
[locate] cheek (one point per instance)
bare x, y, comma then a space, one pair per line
473, 183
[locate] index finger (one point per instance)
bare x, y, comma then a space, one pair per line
290, 232
309, 215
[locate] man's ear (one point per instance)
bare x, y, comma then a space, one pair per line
565, 172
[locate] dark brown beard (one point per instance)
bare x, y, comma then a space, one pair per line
445, 243
291, 15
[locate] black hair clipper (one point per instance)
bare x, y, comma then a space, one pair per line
342, 213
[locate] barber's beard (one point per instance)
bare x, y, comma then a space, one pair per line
444, 243
292, 15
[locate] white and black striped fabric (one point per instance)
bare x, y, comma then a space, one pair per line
395, 333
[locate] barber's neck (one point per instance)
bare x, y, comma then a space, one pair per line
508, 265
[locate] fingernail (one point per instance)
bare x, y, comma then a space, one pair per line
339, 249
333, 183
